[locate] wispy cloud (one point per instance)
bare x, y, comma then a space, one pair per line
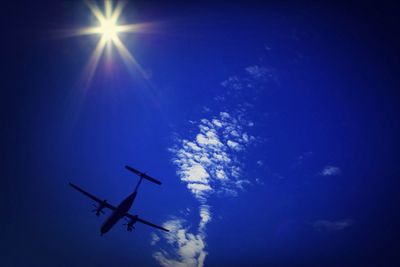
331, 171
209, 163
188, 250
327, 225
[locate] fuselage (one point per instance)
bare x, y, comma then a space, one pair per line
118, 213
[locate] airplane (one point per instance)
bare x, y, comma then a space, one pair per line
121, 211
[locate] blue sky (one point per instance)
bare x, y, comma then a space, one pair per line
273, 128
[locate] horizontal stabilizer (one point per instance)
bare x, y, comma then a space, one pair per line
142, 175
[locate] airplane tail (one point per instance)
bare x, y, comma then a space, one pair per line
142, 175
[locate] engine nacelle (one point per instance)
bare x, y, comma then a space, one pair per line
130, 225
99, 209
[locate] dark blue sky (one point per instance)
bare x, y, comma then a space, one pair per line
274, 128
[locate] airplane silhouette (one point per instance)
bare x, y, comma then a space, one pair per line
121, 211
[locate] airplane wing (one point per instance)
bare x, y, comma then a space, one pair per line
98, 200
130, 216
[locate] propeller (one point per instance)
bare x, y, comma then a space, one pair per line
129, 225
98, 210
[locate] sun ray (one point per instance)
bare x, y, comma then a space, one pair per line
94, 60
88, 31
129, 60
107, 45
108, 29
96, 11
117, 11
108, 9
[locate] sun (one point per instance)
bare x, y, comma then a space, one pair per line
108, 26
108, 30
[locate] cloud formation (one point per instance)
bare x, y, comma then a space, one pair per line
331, 171
188, 249
209, 163
326, 225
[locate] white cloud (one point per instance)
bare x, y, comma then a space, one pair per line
257, 71
195, 173
245, 138
206, 109
234, 145
192, 146
217, 123
235, 133
210, 163
262, 74
326, 225
233, 82
220, 174
235, 171
154, 239
209, 139
205, 216
259, 181
188, 249
331, 171
224, 115
199, 190
240, 183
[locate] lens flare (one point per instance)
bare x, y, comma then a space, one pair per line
108, 29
